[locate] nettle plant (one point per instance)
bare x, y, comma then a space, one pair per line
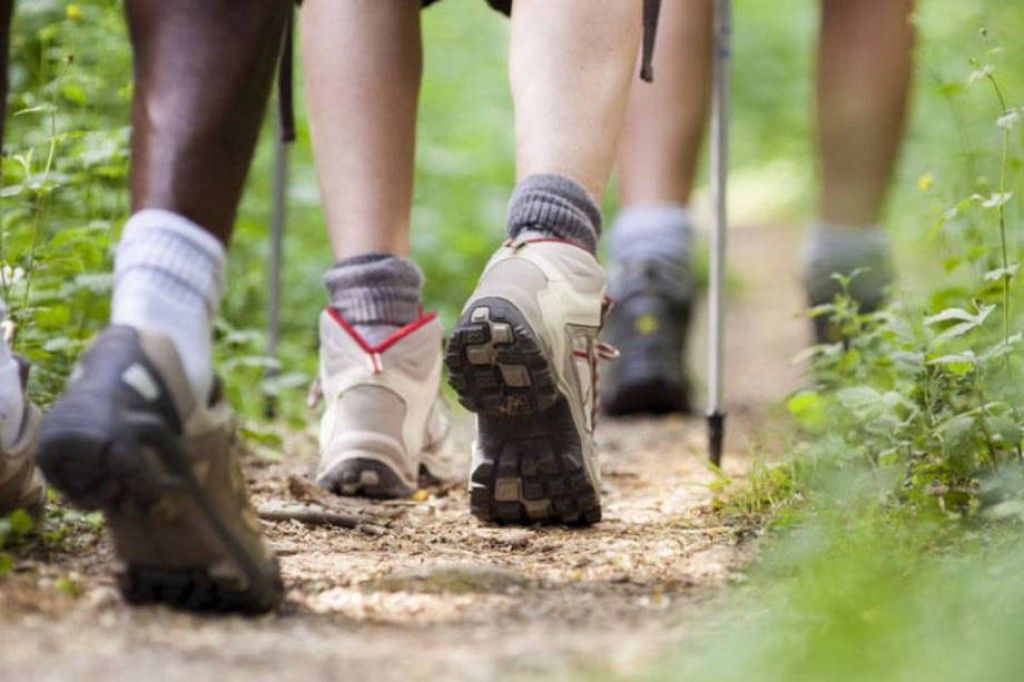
931, 395
63, 177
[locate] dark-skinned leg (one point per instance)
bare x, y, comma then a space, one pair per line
139, 433
6, 10
203, 70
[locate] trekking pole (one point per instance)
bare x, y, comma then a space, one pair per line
284, 133
719, 195
278, 218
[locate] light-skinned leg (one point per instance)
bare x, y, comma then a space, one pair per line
382, 421
865, 66
363, 61
650, 243
665, 120
570, 66
523, 355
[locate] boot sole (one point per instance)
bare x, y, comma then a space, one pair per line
139, 478
528, 468
363, 477
647, 396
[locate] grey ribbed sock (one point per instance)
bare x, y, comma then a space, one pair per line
845, 249
652, 232
646, 235
554, 206
168, 277
376, 293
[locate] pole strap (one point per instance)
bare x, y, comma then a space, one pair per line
652, 11
286, 82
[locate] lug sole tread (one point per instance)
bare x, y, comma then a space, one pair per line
529, 467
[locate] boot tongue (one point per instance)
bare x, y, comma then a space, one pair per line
374, 334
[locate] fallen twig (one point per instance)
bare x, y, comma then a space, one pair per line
319, 517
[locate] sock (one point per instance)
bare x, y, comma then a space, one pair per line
660, 233
842, 249
376, 293
168, 278
554, 206
12, 397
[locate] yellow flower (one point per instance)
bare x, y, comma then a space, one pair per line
74, 12
924, 183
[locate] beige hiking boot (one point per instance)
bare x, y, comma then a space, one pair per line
127, 437
21, 483
524, 357
384, 423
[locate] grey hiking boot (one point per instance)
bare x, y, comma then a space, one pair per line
127, 437
867, 288
385, 425
862, 256
21, 484
648, 323
523, 356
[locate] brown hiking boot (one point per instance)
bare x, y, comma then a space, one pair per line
21, 484
127, 437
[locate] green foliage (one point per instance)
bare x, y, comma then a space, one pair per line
929, 393
64, 174
896, 546
15, 529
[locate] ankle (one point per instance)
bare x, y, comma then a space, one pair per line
376, 293
554, 206
863, 252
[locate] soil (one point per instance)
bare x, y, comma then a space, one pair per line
421, 590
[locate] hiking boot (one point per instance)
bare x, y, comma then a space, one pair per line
127, 437
21, 484
385, 423
523, 357
648, 323
868, 296
862, 259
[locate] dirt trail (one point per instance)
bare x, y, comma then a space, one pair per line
425, 591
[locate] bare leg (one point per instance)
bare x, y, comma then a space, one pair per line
664, 129
571, 63
363, 62
650, 242
203, 70
865, 64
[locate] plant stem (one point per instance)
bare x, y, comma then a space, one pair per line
1007, 277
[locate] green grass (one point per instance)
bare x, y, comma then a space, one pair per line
853, 593
885, 560
894, 545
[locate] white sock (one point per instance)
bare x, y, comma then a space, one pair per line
168, 278
844, 249
12, 398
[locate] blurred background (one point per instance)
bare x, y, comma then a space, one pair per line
64, 196
893, 548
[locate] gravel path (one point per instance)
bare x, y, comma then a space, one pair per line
423, 591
